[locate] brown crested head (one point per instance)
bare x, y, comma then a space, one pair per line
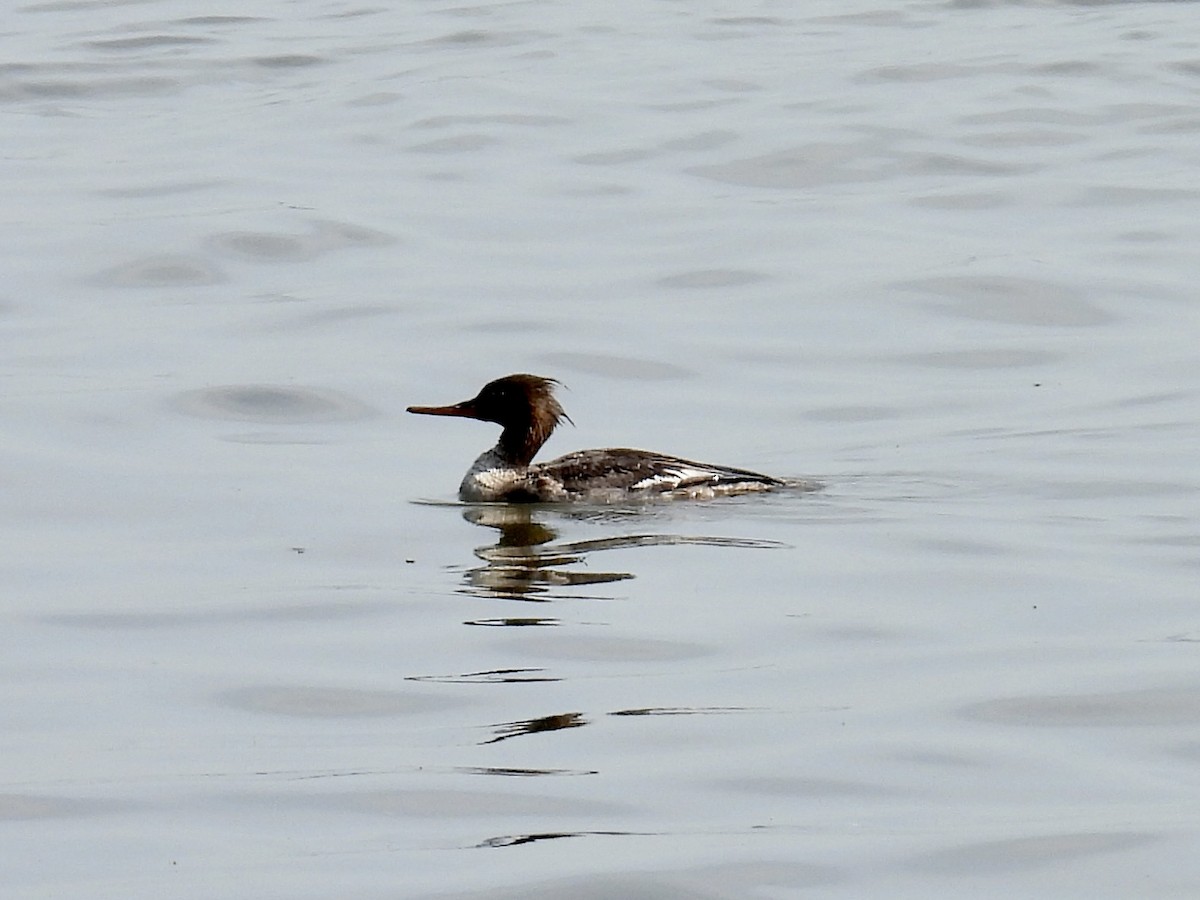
524, 405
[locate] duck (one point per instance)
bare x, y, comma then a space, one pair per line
527, 411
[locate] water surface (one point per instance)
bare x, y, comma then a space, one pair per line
939, 256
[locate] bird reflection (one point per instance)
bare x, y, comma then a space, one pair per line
528, 563
525, 563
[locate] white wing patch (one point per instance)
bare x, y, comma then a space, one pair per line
671, 477
681, 479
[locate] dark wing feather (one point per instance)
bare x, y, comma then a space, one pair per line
640, 470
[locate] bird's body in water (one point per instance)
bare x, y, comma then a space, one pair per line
527, 410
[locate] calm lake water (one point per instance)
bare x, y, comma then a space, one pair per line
939, 256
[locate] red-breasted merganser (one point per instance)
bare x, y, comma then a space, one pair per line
526, 408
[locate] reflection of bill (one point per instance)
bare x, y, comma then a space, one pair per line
505, 730
526, 562
535, 726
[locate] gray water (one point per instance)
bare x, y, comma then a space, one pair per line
939, 256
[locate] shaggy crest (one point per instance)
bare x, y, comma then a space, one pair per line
528, 410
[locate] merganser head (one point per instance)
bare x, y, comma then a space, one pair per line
524, 405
